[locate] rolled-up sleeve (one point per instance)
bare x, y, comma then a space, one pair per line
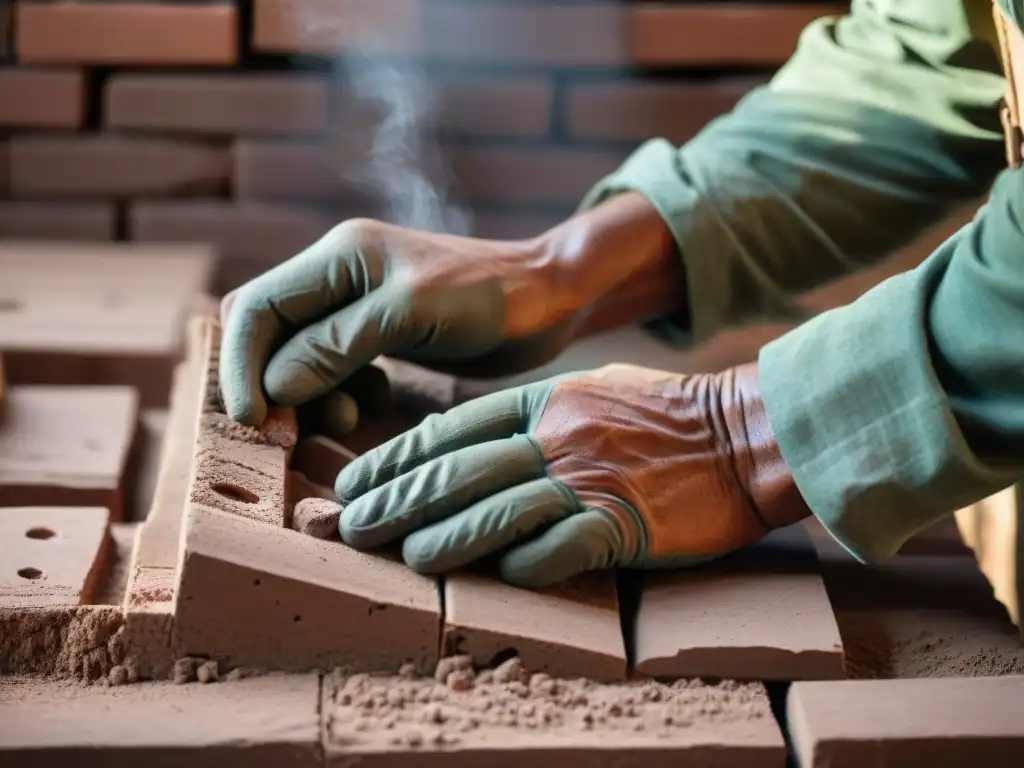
882, 121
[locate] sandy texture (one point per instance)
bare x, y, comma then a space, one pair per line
51, 556
67, 446
506, 714
79, 643
318, 518
254, 595
570, 631
264, 721
761, 614
919, 616
949, 722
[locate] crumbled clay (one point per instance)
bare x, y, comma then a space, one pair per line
317, 517
207, 672
451, 664
82, 643
184, 670
370, 710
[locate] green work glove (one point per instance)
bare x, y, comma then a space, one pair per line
622, 466
368, 289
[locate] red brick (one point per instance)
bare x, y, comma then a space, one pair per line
533, 175
585, 34
249, 237
51, 556
284, 170
634, 111
117, 33
57, 221
943, 722
109, 166
32, 98
217, 104
67, 446
328, 26
497, 106
706, 34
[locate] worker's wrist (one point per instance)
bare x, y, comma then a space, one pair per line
617, 263
757, 457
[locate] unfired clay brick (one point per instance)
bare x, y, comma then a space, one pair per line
948, 722
98, 313
569, 631
51, 556
320, 459
761, 614
66, 446
408, 723
265, 721
256, 595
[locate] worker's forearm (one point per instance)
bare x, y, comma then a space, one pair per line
907, 405
854, 149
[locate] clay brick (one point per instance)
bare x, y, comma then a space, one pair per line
286, 171
637, 724
115, 166
51, 556
217, 104
320, 459
760, 614
269, 720
66, 446
112, 582
635, 111
275, 598
994, 529
918, 616
585, 34
947, 722
34, 98
330, 26
249, 237
152, 428
120, 33
711, 34
128, 309
568, 631
57, 220
534, 175
468, 105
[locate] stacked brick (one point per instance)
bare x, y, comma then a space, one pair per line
218, 121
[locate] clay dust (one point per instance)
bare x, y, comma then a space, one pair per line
82, 643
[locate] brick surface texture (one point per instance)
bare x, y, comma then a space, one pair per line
255, 125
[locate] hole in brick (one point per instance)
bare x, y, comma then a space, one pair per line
30, 573
40, 533
8, 304
297, 618
235, 493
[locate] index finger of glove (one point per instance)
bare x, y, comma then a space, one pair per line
264, 312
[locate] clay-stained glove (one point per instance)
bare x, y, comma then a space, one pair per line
622, 466
367, 289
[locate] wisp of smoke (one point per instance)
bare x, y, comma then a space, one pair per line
383, 126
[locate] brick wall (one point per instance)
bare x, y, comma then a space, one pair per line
232, 122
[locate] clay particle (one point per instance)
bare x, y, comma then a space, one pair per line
461, 680
451, 664
510, 671
184, 670
408, 671
208, 672
118, 675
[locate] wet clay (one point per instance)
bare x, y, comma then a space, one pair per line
67, 446
51, 556
501, 716
253, 595
240, 469
572, 630
317, 518
267, 721
950, 722
761, 614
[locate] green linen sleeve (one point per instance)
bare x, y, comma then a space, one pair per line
908, 404
882, 121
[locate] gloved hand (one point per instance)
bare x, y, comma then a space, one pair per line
367, 289
622, 466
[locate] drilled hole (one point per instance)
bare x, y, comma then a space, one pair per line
235, 493
30, 573
40, 533
8, 304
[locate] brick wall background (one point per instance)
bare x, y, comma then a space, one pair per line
233, 122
